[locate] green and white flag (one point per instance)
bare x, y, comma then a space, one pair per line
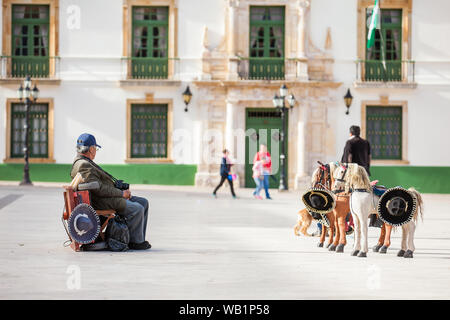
375, 23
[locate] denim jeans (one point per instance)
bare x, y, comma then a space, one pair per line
266, 185
259, 185
136, 214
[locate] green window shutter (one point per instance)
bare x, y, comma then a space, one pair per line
149, 131
390, 48
384, 132
266, 42
150, 43
30, 41
38, 138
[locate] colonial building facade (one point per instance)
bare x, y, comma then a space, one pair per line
118, 68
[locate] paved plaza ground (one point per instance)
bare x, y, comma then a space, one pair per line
206, 248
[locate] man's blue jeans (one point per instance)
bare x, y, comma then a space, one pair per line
136, 214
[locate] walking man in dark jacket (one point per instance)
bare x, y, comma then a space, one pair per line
357, 150
107, 196
225, 168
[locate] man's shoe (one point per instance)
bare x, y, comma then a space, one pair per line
139, 246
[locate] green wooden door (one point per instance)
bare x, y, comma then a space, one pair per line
266, 43
30, 41
265, 124
388, 46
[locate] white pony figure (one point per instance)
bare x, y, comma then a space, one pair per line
363, 202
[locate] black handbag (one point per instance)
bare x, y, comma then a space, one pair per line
117, 234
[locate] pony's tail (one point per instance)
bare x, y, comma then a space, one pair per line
306, 220
419, 204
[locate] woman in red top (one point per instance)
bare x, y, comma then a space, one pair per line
264, 156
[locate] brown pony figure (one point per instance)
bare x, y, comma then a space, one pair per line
321, 178
340, 213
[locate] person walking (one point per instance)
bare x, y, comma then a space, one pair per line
264, 156
225, 174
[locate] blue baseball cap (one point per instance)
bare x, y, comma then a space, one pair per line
87, 140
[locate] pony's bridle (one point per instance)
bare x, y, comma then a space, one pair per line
341, 179
324, 180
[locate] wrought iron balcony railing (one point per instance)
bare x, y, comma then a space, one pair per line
36, 67
390, 71
149, 68
261, 68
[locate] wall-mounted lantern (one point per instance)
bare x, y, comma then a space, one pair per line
187, 95
348, 98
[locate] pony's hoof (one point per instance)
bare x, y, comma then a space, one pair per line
332, 248
355, 253
383, 249
328, 245
320, 244
408, 254
376, 248
401, 253
340, 248
362, 255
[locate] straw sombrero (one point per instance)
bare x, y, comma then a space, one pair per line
320, 218
397, 206
319, 200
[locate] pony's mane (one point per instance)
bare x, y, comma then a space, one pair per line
315, 176
355, 178
333, 167
359, 179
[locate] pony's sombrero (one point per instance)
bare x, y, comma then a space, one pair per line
321, 218
83, 224
397, 206
319, 200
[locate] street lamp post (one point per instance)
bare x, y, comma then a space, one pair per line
30, 96
279, 103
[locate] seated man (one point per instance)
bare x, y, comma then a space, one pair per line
107, 196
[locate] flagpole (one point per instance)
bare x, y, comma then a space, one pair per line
383, 44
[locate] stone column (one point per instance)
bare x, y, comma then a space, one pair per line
302, 178
302, 63
232, 39
230, 126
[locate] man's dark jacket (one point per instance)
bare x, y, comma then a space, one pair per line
360, 151
106, 197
